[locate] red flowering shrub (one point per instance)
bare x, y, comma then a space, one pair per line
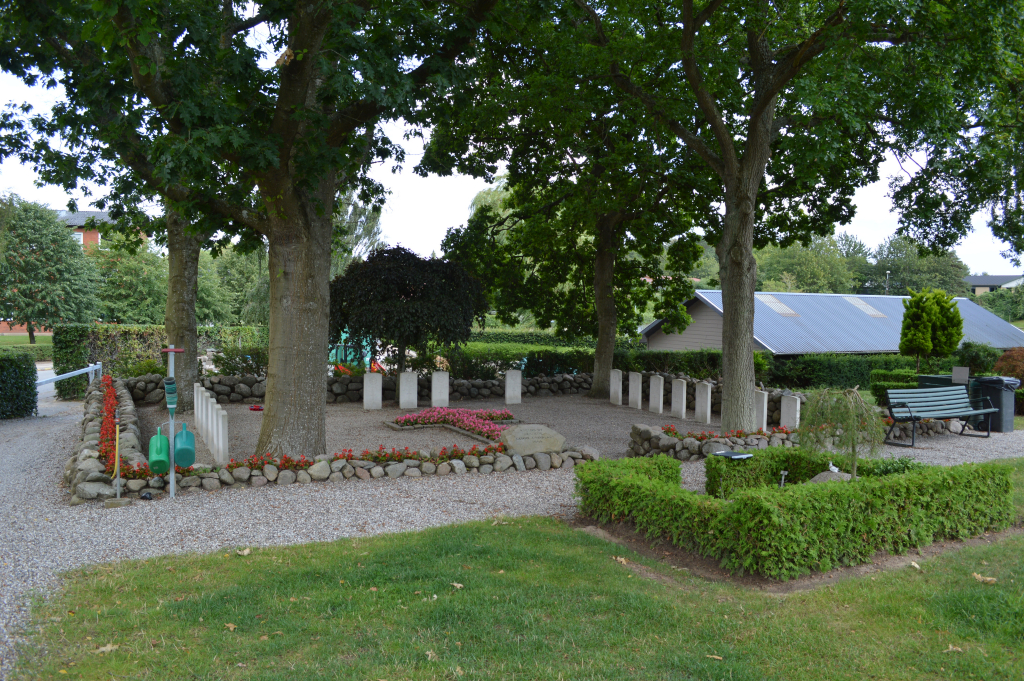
1011, 364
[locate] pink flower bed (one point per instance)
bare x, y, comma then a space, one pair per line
478, 421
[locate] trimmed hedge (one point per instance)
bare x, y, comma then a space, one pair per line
783, 534
529, 338
725, 477
883, 380
70, 353
842, 371
39, 352
18, 393
245, 361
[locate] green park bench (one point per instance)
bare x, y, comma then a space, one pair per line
953, 402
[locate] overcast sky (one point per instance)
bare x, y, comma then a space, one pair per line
420, 210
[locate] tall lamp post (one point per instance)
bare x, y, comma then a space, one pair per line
887, 282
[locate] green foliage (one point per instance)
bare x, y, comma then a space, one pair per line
1008, 303
133, 283
883, 381
40, 352
530, 338
932, 326
213, 300
246, 361
44, 277
397, 300
790, 532
726, 477
146, 366
911, 270
118, 346
1018, 401
221, 337
980, 358
70, 353
818, 267
356, 232
832, 371
1011, 364
17, 385
840, 419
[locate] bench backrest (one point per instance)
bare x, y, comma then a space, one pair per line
926, 402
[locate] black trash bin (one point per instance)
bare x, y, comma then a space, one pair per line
999, 389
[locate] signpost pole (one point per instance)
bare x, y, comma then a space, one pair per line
171, 396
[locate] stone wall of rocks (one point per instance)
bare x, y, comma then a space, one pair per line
650, 440
84, 472
929, 429
774, 396
251, 389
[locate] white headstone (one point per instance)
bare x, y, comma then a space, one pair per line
222, 436
439, 389
679, 398
790, 417
702, 403
373, 391
656, 405
761, 410
615, 389
636, 392
513, 386
407, 390
531, 439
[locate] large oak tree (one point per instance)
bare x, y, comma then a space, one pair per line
797, 103
252, 115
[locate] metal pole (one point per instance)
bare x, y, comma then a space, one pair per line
117, 452
170, 370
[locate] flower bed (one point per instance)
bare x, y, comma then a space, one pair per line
786, 533
478, 421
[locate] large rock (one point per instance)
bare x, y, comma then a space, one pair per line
241, 474
396, 470
225, 476
826, 476
286, 477
529, 439
502, 462
321, 470
209, 484
457, 466
94, 490
155, 396
543, 461
270, 472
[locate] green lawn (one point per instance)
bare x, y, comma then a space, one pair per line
530, 599
23, 340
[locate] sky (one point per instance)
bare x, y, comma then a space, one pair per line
420, 210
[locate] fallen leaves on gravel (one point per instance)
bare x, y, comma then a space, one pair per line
984, 580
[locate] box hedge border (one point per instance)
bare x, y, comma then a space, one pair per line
18, 394
783, 534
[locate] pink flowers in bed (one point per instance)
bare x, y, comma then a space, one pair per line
479, 421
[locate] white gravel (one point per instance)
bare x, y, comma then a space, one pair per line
45, 536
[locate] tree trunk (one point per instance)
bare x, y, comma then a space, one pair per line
739, 281
180, 315
300, 265
604, 303
31, 334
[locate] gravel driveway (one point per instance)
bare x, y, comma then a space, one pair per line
45, 536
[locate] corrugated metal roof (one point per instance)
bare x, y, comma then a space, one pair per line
826, 322
991, 279
78, 218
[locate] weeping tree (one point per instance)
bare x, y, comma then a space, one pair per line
395, 300
251, 115
843, 421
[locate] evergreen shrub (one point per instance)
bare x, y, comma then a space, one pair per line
782, 534
244, 361
17, 385
899, 379
70, 353
38, 351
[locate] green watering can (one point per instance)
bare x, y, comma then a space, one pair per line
184, 447
159, 454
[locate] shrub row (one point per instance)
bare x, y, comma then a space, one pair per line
883, 380
725, 476
783, 534
244, 361
38, 352
17, 385
121, 347
841, 371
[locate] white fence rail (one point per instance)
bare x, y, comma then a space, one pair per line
212, 423
93, 370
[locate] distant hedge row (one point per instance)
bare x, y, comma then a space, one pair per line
538, 338
121, 346
39, 352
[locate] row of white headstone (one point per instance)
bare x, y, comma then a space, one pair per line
211, 423
790, 406
408, 389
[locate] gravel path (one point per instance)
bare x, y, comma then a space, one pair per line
44, 536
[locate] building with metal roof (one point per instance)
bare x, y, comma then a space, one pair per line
807, 323
983, 283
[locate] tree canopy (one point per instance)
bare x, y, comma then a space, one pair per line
932, 326
396, 300
45, 278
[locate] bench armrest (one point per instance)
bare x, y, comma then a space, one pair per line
979, 399
901, 405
